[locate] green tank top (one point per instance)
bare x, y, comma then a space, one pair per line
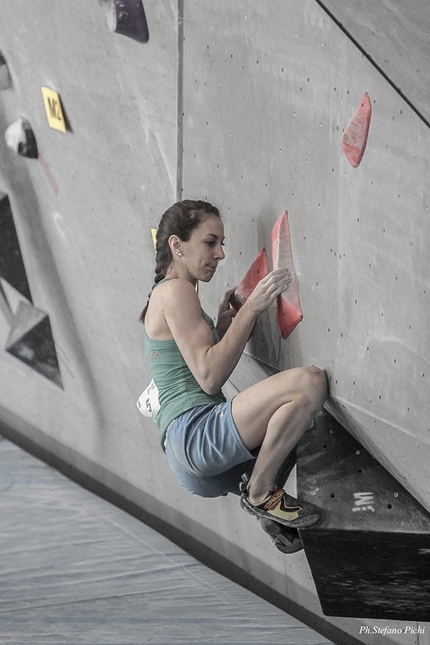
176, 388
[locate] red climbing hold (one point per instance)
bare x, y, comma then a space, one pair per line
258, 270
288, 309
354, 138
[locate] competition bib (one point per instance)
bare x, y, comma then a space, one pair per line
148, 403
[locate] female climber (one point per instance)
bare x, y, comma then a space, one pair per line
211, 443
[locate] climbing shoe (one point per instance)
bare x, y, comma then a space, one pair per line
282, 508
285, 539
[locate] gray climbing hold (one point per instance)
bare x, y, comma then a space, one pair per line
20, 138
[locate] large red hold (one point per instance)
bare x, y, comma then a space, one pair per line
354, 138
288, 309
258, 270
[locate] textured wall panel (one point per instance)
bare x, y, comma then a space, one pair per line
83, 213
267, 90
264, 108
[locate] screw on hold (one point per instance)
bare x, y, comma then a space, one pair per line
354, 139
20, 138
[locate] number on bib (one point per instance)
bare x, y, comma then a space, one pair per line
148, 403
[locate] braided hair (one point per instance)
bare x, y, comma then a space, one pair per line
180, 219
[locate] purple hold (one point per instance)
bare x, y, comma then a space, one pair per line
126, 17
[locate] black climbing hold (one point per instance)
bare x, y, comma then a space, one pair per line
370, 554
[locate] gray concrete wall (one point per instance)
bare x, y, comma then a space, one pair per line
393, 35
263, 92
357, 234
88, 250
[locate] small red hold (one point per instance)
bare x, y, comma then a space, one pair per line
355, 135
256, 272
288, 309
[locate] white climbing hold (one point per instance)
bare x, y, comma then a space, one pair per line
20, 138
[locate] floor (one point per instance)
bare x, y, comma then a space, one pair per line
78, 570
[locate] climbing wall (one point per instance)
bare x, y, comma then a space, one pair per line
393, 35
278, 107
356, 228
263, 108
88, 121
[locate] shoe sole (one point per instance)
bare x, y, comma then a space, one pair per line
285, 539
301, 522
287, 548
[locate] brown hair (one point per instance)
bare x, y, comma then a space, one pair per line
180, 219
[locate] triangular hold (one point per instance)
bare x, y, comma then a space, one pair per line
126, 17
370, 552
13, 297
31, 341
354, 138
288, 309
256, 272
12, 266
6, 317
25, 318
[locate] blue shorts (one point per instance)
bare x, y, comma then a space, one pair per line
205, 451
